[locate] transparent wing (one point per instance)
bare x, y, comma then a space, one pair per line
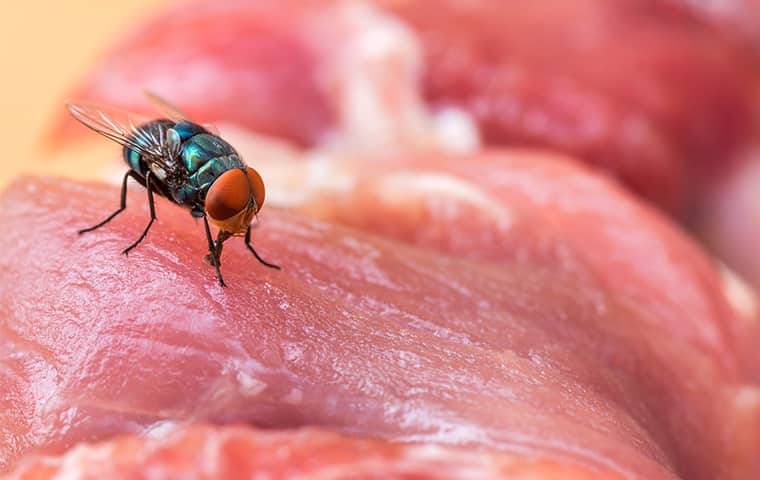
173, 112
124, 128
211, 128
163, 106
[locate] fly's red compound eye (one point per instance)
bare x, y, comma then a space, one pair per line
257, 187
230, 193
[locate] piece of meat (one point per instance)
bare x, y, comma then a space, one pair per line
356, 334
202, 452
638, 88
644, 92
248, 66
526, 206
338, 73
729, 218
576, 324
737, 18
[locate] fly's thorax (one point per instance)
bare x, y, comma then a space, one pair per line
205, 157
194, 188
200, 158
200, 149
186, 129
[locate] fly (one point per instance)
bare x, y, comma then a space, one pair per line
187, 163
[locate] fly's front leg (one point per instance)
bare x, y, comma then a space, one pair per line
152, 206
123, 204
250, 247
218, 246
213, 255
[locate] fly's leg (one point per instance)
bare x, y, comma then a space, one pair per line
123, 204
250, 247
213, 253
149, 187
218, 245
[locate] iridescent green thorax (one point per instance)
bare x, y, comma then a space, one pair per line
203, 158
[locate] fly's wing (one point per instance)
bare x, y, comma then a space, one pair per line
160, 146
173, 112
162, 105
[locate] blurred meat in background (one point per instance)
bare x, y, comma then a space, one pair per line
488, 131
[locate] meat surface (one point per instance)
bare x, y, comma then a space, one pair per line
636, 88
356, 334
507, 301
731, 218
737, 18
230, 453
525, 206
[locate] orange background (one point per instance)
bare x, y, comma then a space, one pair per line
45, 47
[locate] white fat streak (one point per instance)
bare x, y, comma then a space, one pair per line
443, 463
245, 373
162, 429
77, 462
456, 131
375, 81
740, 296
250, 386
239, 377
294, 397
298, 181
461, 464
443, 186
748, 398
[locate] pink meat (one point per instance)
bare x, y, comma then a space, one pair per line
648, 91
241, 453
638, 89
737, 18
530, 206
250, 63
534, 355
730, 218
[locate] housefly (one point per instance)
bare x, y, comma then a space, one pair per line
187, 163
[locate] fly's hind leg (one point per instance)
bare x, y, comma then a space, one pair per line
250, 247
152, 206
123, 204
